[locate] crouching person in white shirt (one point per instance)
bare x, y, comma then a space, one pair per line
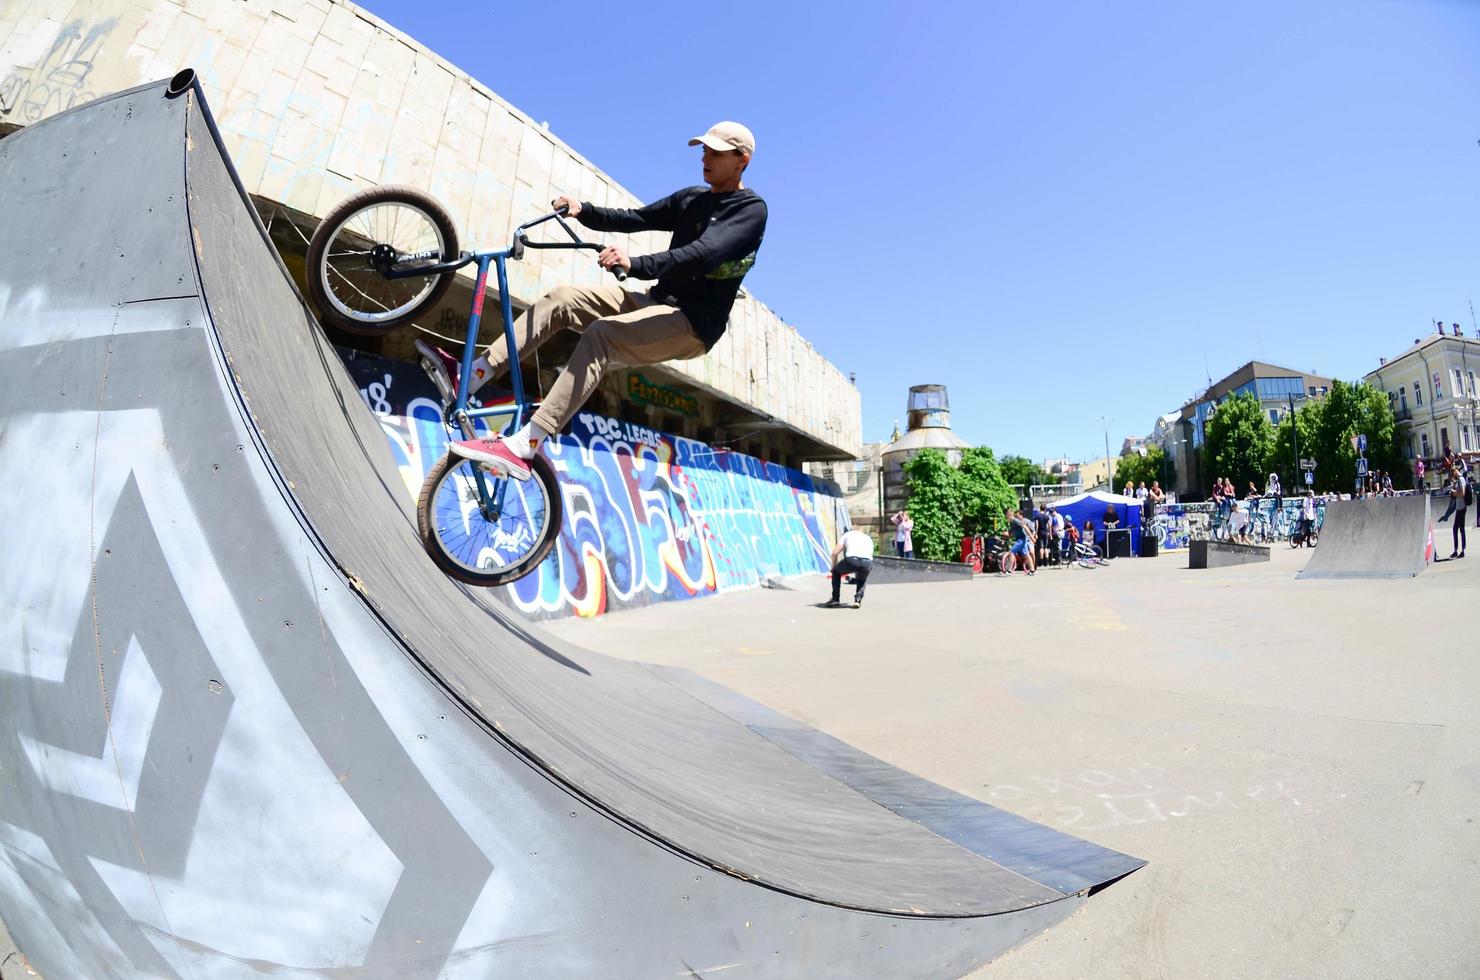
853, 555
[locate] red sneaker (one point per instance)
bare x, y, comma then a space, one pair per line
442, 368
495, 455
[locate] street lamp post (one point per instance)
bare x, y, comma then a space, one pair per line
1294, 437
1109, 475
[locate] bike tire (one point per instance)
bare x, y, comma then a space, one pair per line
450, 564
317, 271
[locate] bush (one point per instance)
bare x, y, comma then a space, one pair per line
948, 503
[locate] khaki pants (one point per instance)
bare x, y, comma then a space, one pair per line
618, 329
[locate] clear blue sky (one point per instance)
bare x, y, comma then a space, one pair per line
1061, 210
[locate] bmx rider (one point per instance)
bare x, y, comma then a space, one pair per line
717, 230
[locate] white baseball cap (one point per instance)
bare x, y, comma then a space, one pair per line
724, 136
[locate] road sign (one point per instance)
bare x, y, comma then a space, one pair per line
1362, 445
1307, 464
1310, 478
1362, 467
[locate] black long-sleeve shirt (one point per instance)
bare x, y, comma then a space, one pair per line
715, 239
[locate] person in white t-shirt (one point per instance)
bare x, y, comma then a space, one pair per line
853, 555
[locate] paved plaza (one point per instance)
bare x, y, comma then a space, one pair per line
1298, 761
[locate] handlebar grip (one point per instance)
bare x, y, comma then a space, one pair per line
620, 273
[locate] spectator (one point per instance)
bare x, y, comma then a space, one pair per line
853, 555
1418, 471
1108, 524
1058, 534
1387, 484
904, 540
1447, 486
1463, 496
1130, 490
1043, 527
1090, 538
1273, 489
1157, 495
1307, 515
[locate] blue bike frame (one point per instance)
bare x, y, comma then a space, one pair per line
459, 411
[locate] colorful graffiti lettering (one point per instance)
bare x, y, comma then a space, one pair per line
649, 516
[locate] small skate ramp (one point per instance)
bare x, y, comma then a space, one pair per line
1380, 537
246, 728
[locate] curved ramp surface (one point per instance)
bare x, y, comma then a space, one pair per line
1380, 537
249, 728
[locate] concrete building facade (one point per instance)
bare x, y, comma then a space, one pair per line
318, 99
1274, 386
1432, 387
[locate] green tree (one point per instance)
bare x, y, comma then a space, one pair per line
986, 495
1349, 410
937, 503
1239, 439
1296, 431
1136, 469
1020, 469
949, 502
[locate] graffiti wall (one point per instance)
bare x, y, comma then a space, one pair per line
58, 79
649, 516
1181, 523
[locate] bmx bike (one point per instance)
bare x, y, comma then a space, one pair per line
379, 260
1306, 534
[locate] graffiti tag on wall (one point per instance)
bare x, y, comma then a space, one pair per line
649, 516
59, 80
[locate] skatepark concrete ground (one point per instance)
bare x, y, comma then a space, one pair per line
1299, 761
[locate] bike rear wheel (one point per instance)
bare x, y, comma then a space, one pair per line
372, 233
484, 529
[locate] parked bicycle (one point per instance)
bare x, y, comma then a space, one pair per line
381, 259
1085, 555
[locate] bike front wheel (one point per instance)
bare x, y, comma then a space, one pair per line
485, 529
358, 244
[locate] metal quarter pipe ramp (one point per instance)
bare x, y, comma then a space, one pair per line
1380, 537
246, 728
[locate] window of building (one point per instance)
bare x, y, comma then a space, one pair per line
1274, 416
1443, 438
1418, 395
1272, 388
1464, 438
1423, 439
1408, 448
1312, 391
1459, 384
1403, 399
1472, 384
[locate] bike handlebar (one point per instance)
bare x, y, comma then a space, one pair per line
521, 240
